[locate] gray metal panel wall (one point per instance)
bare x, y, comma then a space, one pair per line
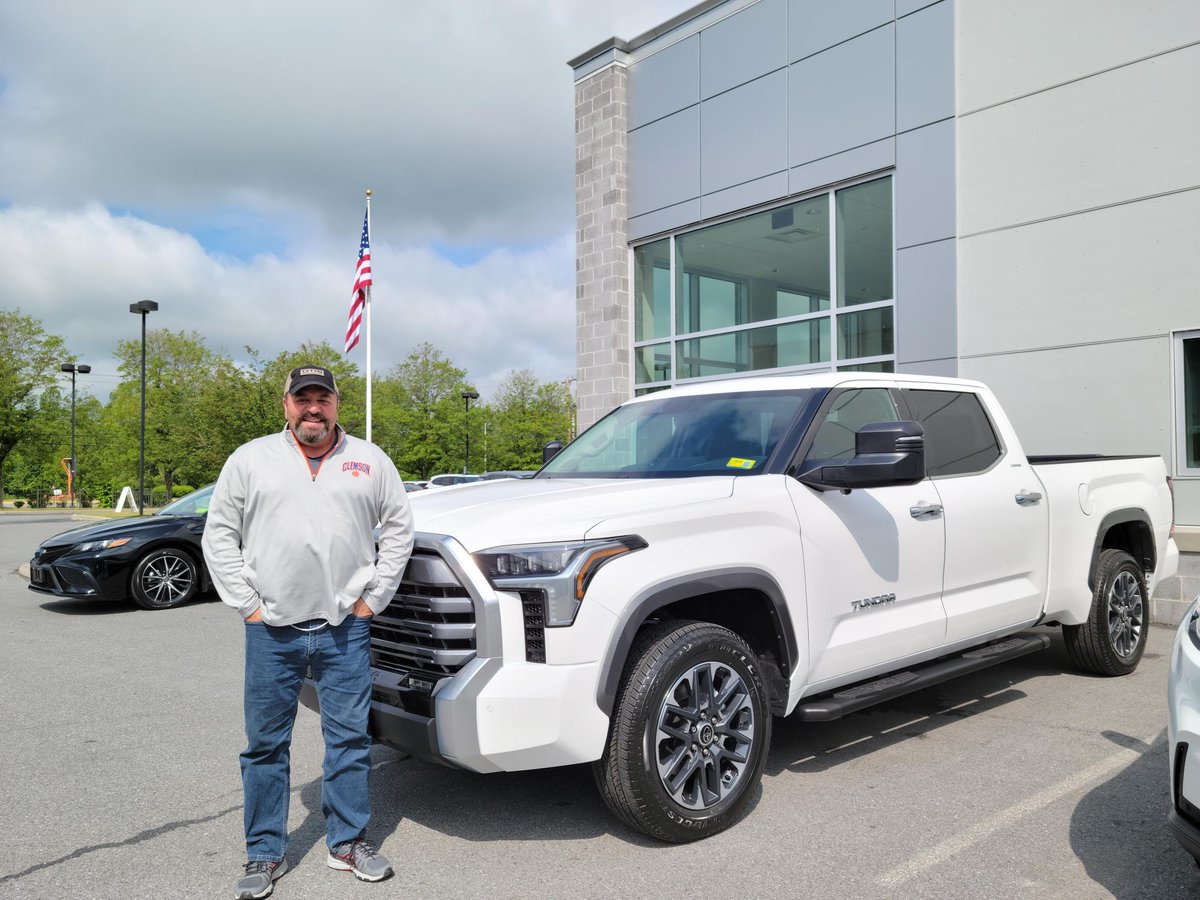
842, 98
924, 185
666, 157
815, 25
926, 279
738, 142
743, 47
925, 67
665, 82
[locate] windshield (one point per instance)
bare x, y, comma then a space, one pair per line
672, 437
193, 504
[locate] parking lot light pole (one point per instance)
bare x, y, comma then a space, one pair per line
467, 396
143, 308
82, 370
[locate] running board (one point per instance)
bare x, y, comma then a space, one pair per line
827, 707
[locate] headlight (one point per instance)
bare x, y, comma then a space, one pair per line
91, 546
561, 573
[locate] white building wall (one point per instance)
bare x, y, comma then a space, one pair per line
1078, 216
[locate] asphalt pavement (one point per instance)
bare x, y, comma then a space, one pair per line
120, 731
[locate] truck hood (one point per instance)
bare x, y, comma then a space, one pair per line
497, 513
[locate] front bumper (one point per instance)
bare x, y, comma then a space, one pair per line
498, 712
1183, 732
87, 578
494, 717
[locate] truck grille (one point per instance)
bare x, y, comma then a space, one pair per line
429, 627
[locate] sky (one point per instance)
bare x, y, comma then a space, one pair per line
213, 157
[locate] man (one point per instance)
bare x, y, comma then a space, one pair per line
289, 545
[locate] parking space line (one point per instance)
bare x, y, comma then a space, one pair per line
979, 831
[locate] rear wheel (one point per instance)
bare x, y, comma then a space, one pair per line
689, 735
163, 579
1112, 640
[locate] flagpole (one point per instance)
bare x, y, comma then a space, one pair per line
367, 316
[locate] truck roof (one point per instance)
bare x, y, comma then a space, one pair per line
806, 381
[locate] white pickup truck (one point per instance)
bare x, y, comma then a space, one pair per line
707, 557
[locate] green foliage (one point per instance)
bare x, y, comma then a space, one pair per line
29, 364
201, 405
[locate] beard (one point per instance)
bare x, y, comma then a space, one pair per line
306, 431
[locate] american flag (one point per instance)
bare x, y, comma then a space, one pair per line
362, 281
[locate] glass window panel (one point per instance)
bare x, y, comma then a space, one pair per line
790, 303
867, 333
885, 366
958, 434
864, 243
1191, 401
850, 411
653, 363
652, 290
777, 260
720, 354
770, 347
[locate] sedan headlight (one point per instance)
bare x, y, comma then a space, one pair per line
91, 546
561, 573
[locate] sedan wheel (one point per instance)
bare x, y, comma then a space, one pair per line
163, 579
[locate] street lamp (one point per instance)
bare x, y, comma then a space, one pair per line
143, 308
467, 396
82, 370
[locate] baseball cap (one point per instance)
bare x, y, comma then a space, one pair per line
309, 376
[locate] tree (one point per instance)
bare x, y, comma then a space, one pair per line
179, 368
422, 424
525, 416
29, 363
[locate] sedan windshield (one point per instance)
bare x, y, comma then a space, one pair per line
193, 504
680, 436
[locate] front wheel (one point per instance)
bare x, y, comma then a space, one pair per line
689, 734
163, 579
1112, 640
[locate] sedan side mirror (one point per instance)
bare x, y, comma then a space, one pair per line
885, 454
551, 450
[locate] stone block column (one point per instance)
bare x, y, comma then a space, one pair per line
603, 328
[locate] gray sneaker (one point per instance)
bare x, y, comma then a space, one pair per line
360, 857
259, 880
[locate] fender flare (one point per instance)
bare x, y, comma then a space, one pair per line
1111, 520
664, 593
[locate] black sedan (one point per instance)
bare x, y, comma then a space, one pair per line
156, 560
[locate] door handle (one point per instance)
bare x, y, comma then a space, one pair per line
1028, 498
925, 510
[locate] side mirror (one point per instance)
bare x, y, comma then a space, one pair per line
551, 450
885, 454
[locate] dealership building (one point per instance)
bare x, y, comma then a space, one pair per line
1005, 191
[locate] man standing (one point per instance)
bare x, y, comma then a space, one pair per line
289, 545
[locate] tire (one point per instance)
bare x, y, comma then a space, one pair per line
689, 735
1112, 640
163, 579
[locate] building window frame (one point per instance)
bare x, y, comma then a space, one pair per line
836, 311
1186, 435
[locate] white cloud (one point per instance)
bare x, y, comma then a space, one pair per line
79, 271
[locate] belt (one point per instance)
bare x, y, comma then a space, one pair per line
311, 625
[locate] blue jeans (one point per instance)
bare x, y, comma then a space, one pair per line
277, 659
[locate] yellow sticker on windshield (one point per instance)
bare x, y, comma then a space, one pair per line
736, 462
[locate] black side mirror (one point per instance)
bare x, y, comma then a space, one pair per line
551, 450
885, 454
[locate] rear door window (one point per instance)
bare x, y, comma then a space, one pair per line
959, 438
